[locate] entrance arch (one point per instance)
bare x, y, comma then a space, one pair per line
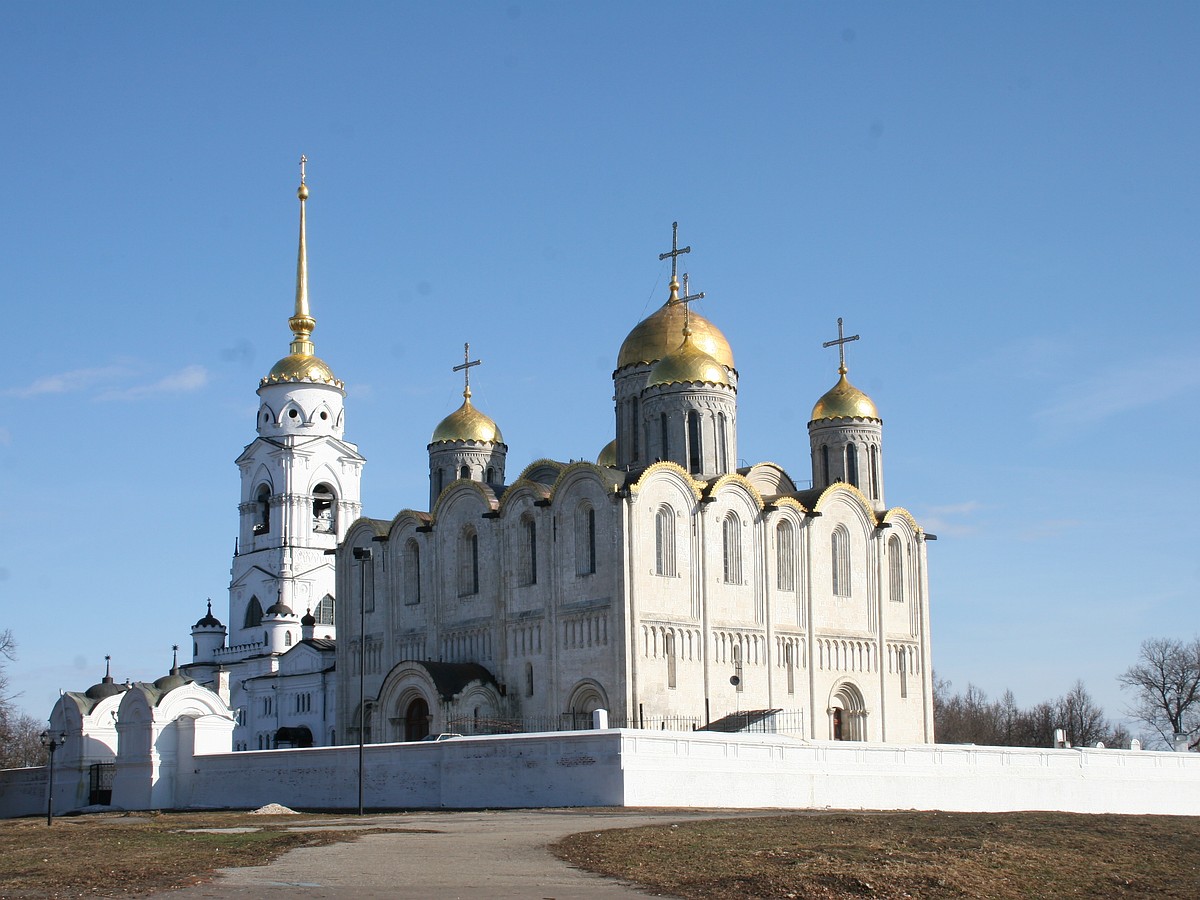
847, 714
416, 719
587, 697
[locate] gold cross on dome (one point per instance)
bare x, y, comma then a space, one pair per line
303, 162
465, 368
686, 299
676, 252
841, 343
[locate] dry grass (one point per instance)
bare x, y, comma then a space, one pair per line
141, 853
890, 855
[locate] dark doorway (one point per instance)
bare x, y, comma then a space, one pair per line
416, 720
100, 783
837, 724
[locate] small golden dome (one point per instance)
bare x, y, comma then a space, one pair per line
687, 364
608, 456
658, 334
844, 401
301, 367
467, 424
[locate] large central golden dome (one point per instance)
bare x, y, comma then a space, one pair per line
658, 334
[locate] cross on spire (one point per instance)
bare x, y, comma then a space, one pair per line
676, 251
465, 368
841, 343
303, 162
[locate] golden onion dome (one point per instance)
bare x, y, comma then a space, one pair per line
844, 401
467, 424
687, 364
301, 367
608, 456
658, 334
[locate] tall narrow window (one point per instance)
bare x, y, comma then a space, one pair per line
491, 474
663, 440
739, 677
731, 544
669, 650
895, 569
664, 541
852, 464
824, 464
324, 611
441, 481
412, 573
902, 664
287, 639
693, 429
528, 679
468, 563
840, 547
464, 472
585, 540
722, 444
785, 556
527, 564
635, 426
789, 659
873, 456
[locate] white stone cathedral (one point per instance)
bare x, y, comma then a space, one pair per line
662, 583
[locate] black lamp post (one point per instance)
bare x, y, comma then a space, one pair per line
363, 555
51, 742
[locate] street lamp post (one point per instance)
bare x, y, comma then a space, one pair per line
51, 742
363, 556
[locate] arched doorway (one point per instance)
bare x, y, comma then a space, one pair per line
847, 714
416, 720
587, 697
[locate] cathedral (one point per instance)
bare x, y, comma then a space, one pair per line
663, 584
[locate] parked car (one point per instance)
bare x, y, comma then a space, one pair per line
444, 736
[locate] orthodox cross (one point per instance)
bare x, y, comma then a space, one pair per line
303, 161
174, 656
688, 298
107, 666
465, 368
841, 343
676, 252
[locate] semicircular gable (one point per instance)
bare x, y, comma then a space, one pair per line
406, 520
608, 479
900, 514
545, 471
841, 492
464, 491
192, 700
731, 483
364, 527
769, 479
669, 470
792, 503
522, 493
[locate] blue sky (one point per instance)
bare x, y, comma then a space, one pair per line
1002, 199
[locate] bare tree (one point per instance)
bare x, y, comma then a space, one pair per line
19, 741
1166, 686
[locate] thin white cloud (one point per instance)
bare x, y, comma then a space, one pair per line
186, 380
1121, 389
70, 382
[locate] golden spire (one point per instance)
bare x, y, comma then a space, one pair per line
302, 323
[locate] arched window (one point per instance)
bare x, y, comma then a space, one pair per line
468, 563
491, 474
731, 545
528, 679
873, 456
412, 573
895, 569
722, 444
785, 556
789, 658
824, 464
585, 540
664, 541
527, 563
287, 639
324, 611
693, 426
464, 472
262, 500
852, 464
738, 673
441, 480
840, 547
663, 439
635, 425
669, 652
324, 510
902, 664
254, 614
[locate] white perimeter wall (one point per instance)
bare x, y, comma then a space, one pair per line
681, 769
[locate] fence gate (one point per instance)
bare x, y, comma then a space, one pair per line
100, 784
